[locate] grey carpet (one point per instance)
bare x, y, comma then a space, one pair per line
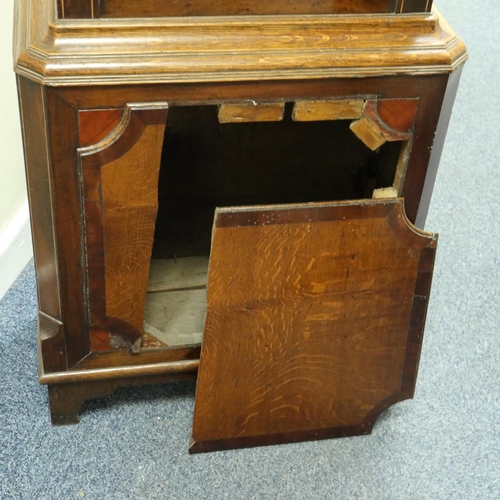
443, 444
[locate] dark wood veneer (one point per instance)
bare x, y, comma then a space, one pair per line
160, 8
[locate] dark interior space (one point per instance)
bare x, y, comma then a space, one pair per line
206, 164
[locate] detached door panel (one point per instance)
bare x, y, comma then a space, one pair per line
314, 322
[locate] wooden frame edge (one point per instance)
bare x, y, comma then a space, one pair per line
48, 54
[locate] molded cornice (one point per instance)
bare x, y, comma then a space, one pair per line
167, 50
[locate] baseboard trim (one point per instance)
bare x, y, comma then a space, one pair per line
16, 248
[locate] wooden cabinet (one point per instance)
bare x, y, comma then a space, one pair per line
320, 135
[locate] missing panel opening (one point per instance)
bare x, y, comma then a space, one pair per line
206, 164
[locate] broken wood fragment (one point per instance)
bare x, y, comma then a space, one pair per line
251, 111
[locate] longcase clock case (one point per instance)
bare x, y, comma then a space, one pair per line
243, 181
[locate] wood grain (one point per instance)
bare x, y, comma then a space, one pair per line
241, 48
129, 187
62, 127
95, 125
339, 109
167, 275
385, 120
251, 112
310, 310
397, 115
121, 192
203, 61
369, 132
429, 90
39, 179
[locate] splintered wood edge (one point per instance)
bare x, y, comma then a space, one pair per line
289, 213
369, 132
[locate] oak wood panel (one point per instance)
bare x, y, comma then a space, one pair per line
120, 177
129, 190
315, 316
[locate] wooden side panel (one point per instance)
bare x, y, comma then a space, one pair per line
251, 112
63, 141
431, 119
312, 322
40, 188
429, 131
121, 199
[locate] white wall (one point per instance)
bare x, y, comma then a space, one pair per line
15, 246
12, 180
